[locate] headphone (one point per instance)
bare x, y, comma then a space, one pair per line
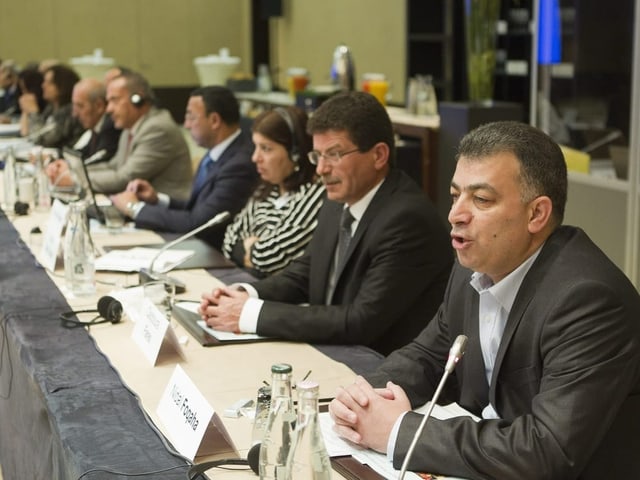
137, 100
109, 309
294, 153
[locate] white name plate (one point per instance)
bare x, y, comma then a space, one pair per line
53, 234
152, 332
185, 413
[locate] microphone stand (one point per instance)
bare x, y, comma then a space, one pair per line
455, 354
149, 274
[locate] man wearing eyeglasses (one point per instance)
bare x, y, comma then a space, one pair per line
379, 260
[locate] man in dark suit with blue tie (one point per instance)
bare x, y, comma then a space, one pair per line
379, 259
223, 181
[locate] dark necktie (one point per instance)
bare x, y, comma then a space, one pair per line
344, 237
201, 174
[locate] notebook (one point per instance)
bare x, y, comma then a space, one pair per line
186, 313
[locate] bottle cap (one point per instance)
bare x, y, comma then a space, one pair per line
281, 368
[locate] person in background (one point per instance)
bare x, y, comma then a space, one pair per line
379, 258
57, 87
99, 142
9, 106
224, 180
552, 363
278, 221
30, 84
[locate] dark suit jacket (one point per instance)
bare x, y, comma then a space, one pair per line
566, 380
392, 281
107, 139
230, 182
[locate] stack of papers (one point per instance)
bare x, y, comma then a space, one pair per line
134, 259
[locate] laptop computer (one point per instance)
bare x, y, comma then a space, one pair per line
79, 171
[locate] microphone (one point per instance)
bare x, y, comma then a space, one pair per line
252, 460
455, 354
96, 157
10, 111
32, 137
150, 275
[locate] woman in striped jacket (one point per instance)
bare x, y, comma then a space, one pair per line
279, 219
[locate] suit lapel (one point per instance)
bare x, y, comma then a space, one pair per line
476, 391
525, 294
325, 240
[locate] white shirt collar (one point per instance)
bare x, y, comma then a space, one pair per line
359, 207
505, 290
219, 149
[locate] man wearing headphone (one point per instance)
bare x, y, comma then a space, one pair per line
151, 146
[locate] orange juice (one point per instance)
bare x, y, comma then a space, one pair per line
297, 80
377, 85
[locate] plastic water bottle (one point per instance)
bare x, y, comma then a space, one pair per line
278, 435
308, 459
10, 181
79, 254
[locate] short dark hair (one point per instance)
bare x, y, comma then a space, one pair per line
220, 100
64, 78
542, 166
273, 125
361, 115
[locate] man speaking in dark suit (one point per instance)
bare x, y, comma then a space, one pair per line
224, 179
379, 258
552, 364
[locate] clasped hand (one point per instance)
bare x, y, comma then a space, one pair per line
365, 415
221, 308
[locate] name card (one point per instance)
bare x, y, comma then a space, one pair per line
152, 332
53, 235
185, 413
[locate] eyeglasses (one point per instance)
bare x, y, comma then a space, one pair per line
331, 157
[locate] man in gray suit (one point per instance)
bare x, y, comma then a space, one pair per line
552, 364
151, 147
366, 282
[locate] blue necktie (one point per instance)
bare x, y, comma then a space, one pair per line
201, 174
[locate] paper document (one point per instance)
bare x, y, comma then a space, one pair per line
228, 336
134, 259
337, 446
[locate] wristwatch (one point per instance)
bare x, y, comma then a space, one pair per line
133, 208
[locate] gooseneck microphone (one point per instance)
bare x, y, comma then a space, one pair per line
252, 461
96, 157
32, 137
149, 274
455, 354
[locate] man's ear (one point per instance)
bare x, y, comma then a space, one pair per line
540, 210
381, 153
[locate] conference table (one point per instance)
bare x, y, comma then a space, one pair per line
82, 403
